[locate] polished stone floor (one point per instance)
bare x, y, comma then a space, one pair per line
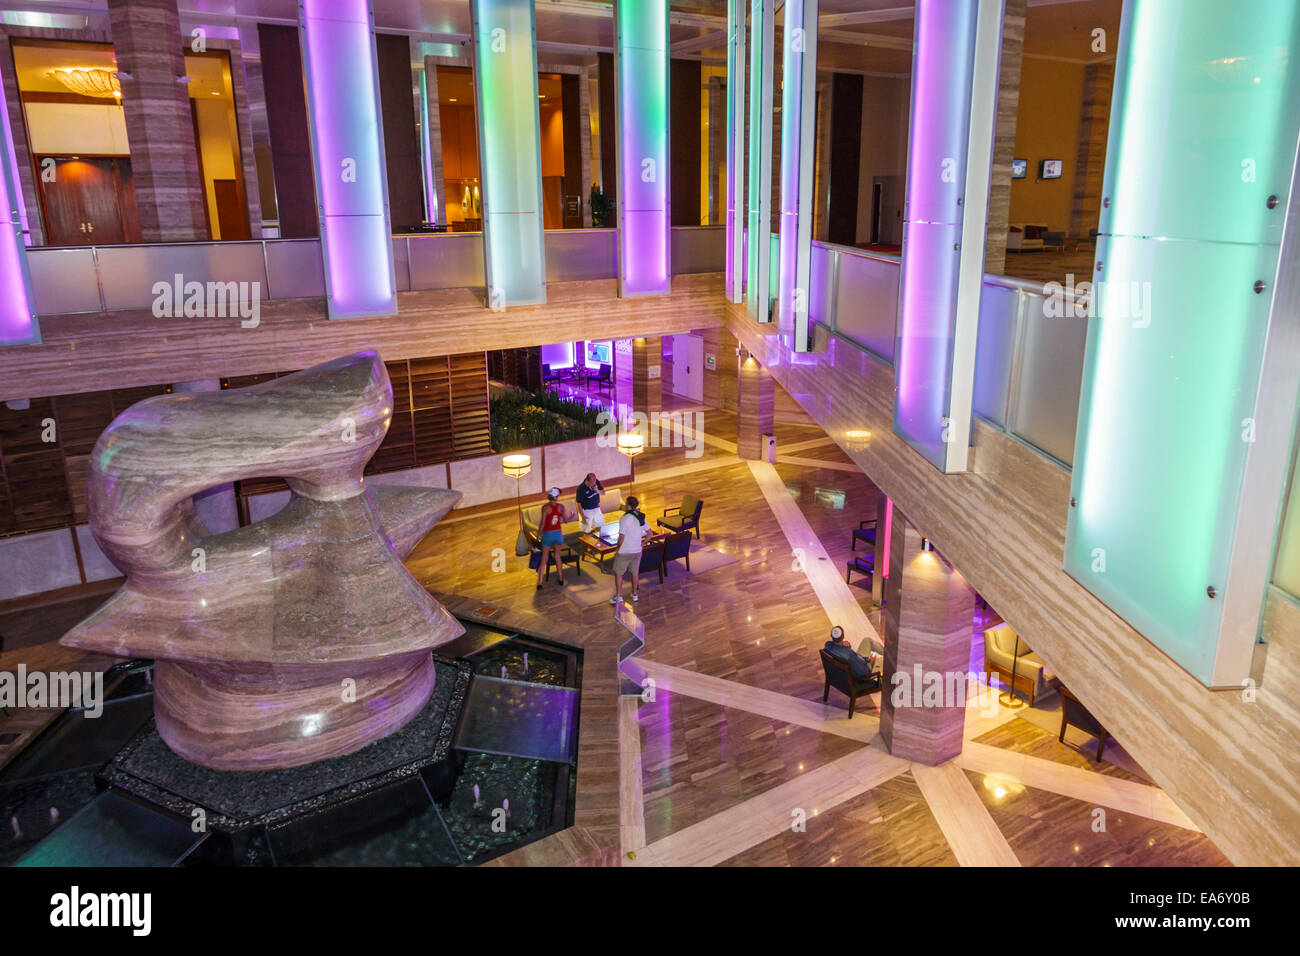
729, 756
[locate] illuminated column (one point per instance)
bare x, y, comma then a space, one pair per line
735, 149
641, 110
758, 301
1190, 376
18, 324
798, 92
509, 136
949, 163
342, 85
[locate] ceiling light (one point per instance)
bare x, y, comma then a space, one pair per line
93, 82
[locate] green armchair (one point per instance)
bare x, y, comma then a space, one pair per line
684, 517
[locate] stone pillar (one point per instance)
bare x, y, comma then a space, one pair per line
1090, 160
647, 374
216, 507
755, 401
584, 129
159, 125
884, 514
928, 617
1004, 137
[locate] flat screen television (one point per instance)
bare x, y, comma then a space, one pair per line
1049, 169
598, 353
1019, 168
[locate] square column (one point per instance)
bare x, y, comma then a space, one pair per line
929, 614
647, 374
18, 323
159, 125
755, 405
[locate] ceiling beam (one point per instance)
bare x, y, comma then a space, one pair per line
694, 44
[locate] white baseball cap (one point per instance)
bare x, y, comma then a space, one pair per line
553, 493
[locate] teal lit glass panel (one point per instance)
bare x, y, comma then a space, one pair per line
758, 272
509, 127
1175, 345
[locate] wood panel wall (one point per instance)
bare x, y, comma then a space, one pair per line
401, 146
684, 141
845, 159
608, 131
286, 117
440, 413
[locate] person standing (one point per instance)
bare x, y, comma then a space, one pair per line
551, 528
627, 560
589, 493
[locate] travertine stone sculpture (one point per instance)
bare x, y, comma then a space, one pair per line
290, 640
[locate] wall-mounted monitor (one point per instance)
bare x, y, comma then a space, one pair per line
1019, 168
599, 353
1050, 169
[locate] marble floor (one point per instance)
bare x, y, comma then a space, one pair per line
729, 756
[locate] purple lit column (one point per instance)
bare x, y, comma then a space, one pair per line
955, 58
641, 72
798, 88
18, 325
342, 84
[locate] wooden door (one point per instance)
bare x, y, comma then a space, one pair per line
80, 205
232, 215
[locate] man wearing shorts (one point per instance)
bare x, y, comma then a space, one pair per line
627, 560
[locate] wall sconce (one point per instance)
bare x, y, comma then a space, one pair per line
927, 545
857, 438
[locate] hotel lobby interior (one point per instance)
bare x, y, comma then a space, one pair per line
955, 523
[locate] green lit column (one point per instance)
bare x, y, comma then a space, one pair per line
510, 154
759, 277
1189, 379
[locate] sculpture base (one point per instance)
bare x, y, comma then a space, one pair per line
272, 716
237, 803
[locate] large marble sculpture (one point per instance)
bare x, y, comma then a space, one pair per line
290, 640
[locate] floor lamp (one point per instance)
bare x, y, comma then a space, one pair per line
1008, 697
631, 444
516, 466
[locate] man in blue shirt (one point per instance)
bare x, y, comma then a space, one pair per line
589, 493
838, 647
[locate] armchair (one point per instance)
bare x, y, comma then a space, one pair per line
684, 517
605, 378
678, 545
652, 559
1031, 673
1075, 714
840, 676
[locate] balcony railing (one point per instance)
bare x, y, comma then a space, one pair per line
119, 277
1028, 361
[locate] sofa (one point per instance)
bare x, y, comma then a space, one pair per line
1025, 236
1033, 678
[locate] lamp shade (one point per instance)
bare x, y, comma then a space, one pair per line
516, 466
631, 443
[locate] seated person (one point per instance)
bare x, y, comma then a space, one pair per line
862, 668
